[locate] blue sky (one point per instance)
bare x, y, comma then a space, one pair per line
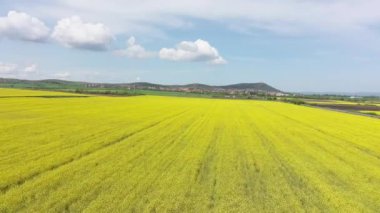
307, 45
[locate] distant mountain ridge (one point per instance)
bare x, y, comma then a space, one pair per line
257, 86
55, 83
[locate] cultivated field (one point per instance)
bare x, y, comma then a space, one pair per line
147, 153
328, 102
372, 112
16, 93
366, 107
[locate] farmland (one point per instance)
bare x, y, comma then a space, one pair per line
372, 112
365, 107
70, 153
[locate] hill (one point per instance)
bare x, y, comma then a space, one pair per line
63, 84
252, 86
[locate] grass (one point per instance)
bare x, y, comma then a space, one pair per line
329, 102
171, 154
371, 112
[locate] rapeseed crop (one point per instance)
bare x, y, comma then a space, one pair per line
170, 154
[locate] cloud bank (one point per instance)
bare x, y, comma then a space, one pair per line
32, 68
283, 17
7, 68
199, 50
74, 33
17, 70
134, 50
21, 26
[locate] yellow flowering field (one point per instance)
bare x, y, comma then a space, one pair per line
171, 154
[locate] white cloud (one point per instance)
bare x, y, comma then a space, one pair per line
17, 25
18, 70
134, 50
63, 75
73, 32
32, 68
283, 17
198, 50
8, 68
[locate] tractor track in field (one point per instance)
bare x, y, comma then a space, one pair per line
295, 181
6, 188
169, 148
